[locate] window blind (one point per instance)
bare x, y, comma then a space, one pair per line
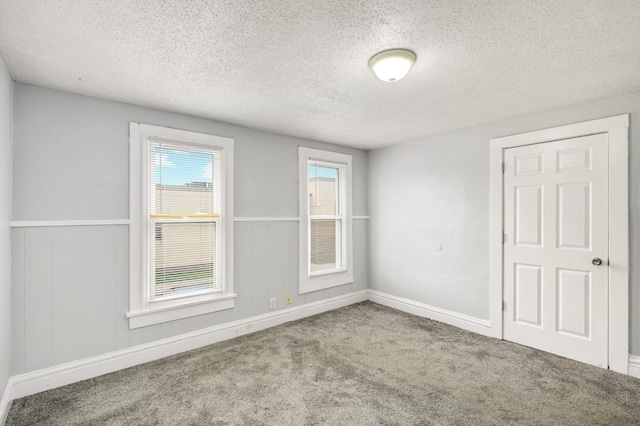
184, 220
325, 217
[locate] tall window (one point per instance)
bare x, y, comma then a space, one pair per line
325, 219
184, 206
181, 218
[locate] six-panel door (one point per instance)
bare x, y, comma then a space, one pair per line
556, 224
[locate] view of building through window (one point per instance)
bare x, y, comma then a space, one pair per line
184, 213
184, 210
325, 228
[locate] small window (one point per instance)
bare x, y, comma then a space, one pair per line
180, 224
325, 219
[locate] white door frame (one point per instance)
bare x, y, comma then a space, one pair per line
618, 131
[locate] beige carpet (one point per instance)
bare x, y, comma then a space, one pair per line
361, 365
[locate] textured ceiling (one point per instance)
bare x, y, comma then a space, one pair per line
301, 67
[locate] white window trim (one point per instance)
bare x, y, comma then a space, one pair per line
140, 313
323, 279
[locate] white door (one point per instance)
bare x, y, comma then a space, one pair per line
556, 233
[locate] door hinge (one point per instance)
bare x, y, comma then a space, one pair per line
504, 237
504, 305
503, 167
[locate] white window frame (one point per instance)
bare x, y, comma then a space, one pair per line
319, 280
141, 312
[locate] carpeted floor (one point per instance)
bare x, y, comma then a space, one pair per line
360, 365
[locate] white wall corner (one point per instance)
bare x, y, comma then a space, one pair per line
462, 321
5, 401
634, 366
6, 204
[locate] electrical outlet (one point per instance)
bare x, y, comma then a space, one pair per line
272, 303
288, 299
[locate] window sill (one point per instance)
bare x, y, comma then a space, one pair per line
170, 313
327, 272
322, 282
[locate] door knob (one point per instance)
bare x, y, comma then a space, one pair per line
596, 261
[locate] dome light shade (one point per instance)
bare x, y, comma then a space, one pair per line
392, 65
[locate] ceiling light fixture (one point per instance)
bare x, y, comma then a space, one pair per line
392, 65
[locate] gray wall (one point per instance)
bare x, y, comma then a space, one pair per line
70, 284
436, 191
6, 101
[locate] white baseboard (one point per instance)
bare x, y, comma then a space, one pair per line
5, 402
462, 321
634, 366
64, 374
38, 381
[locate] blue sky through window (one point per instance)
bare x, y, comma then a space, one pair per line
318, 171
176, 167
